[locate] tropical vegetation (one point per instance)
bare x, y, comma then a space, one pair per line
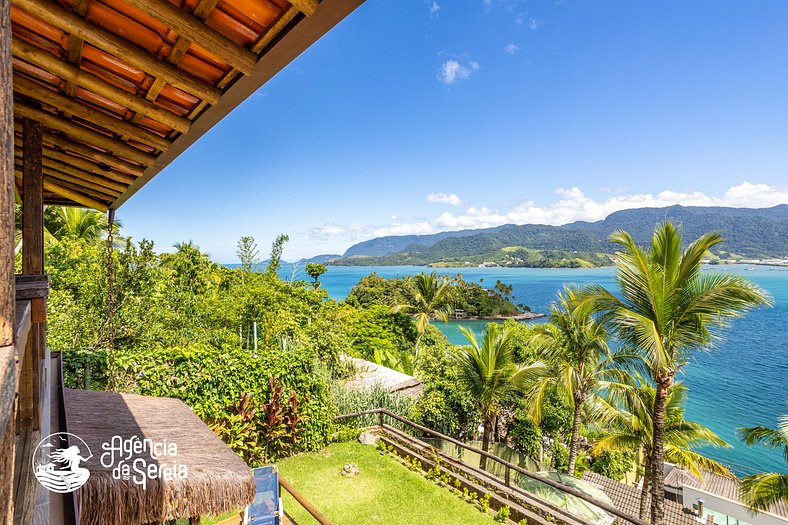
668, 309
260, 357
426, 298
488, 373
761, 491
633, 430
581, 368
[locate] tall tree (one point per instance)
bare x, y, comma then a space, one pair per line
315, 270
580, 364
489, 374
633, 430
761, 491
248, 254
275, 261
427, 297
669, 309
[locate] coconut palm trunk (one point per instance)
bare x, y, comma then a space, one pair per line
574, 443
644, 503
658, 450
418, 342
488, 426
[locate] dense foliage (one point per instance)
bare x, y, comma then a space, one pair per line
471, 298
259, 358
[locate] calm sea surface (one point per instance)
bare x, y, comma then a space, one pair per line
744, 382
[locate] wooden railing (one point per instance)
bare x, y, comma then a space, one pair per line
382, 413
311, 509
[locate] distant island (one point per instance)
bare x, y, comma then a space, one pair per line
752, 236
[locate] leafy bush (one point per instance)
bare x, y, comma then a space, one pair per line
503, 514
613, 464
348, 401
526, 435
210, 380
442, 406
560, 455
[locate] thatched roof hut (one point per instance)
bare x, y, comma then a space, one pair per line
369, 375
216, 479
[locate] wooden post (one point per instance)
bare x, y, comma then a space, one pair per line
7, 296
32, 199
32, 264
7, 292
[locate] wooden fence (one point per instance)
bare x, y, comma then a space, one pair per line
383, 414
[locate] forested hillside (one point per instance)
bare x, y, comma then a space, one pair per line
749, 233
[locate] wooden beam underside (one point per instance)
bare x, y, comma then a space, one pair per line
104, 127
52, 13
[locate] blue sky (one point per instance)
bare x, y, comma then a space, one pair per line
416, 116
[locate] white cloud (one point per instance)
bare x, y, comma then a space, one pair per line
520, 19
444, 198
574, 205
511, 49
533, 24
452, 71
401, 228
434, 7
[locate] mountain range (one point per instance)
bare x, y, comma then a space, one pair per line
748, 232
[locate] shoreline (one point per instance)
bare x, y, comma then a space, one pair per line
527, 316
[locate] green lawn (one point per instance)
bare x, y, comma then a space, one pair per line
385, 492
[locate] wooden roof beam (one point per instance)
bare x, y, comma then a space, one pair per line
76, 44
97, 159
75, 196
88, 166
121, 127
53, 13
76, 184
68, 169
68, 191
82, 133
195, 30
308, 7
131, 171
91, 82
285, 18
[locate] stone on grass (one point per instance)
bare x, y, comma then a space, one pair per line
368, 438
350, 470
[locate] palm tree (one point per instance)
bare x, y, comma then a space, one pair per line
669, 309
79, 223
761, 491
426, 298
634, 430
489, 374
580, 364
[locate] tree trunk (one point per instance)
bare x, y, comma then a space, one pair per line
658, 450
418, 342
574, 443
644, 490
486, 441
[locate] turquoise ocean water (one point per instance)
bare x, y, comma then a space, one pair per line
743, 382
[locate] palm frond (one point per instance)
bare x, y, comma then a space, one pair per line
761, 491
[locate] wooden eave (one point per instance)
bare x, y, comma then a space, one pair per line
122, 87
